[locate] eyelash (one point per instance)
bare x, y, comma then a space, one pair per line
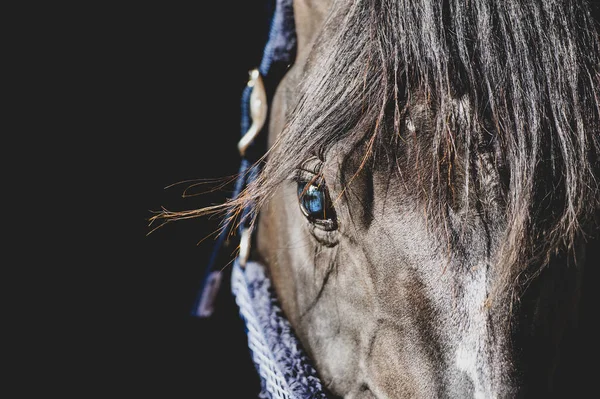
315, 203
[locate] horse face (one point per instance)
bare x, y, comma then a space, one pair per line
385, 305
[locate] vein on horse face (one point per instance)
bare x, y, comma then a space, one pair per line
324, 281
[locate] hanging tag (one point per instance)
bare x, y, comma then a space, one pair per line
206, 306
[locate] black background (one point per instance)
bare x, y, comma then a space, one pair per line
176, 74
126, 101
115, 106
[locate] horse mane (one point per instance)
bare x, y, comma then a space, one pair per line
514, 82
530, 74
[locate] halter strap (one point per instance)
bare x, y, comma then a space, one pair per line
278, 55
284, 368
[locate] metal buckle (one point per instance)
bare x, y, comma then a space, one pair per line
258, 110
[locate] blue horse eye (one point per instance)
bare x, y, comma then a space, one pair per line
316, 204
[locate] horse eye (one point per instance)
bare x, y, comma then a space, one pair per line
316, 204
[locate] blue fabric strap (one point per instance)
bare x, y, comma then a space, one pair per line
278, 55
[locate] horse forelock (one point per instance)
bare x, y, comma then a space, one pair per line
492, 99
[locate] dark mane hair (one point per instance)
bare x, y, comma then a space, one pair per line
529, 71
507, 95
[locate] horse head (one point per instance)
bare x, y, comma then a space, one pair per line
429, 200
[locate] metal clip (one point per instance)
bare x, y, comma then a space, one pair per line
258, 110
244, 246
